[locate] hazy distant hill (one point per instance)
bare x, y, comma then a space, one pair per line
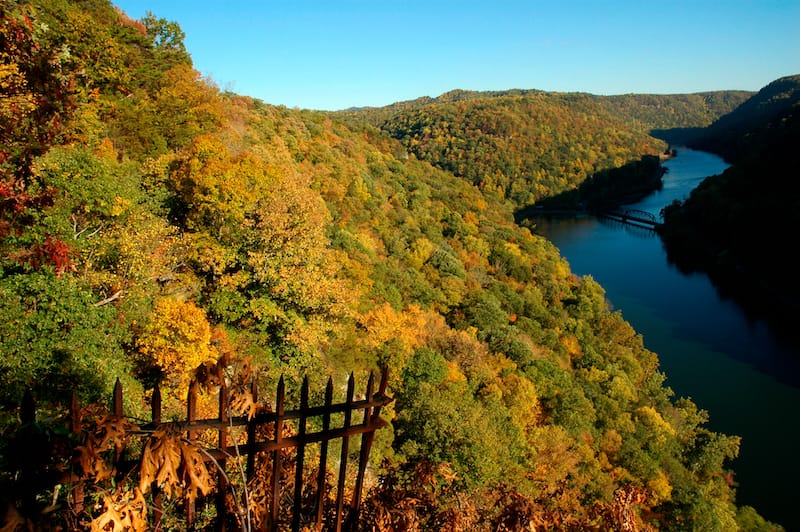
670, 111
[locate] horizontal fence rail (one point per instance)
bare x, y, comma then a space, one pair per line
270, 443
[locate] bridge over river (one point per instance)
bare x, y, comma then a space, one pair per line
632, 217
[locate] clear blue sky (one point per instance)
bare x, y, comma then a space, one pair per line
330, 55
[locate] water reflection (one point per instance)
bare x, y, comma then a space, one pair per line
730, 364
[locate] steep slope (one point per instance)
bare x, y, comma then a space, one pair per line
669, 111
180, 226
733, 224
522, 148
748, 131
527, 145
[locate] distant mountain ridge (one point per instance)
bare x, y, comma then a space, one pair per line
652, 111
527, 145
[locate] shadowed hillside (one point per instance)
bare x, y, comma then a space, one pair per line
734, 225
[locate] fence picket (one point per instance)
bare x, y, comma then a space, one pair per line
362, 457
251, 435
301, 453
191, 418
155, 415
275, 446
343, 456
277, 461
222, 438
75, 428
323, 453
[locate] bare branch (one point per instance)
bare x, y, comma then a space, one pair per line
109, 299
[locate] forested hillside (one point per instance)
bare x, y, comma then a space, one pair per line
528, 145
673, 111
153, 225
734, 224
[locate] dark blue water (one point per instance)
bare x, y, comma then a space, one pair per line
710, 351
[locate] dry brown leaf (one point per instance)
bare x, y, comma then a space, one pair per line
92, 463
195, 471
242, 403
161, 459
109, 516
175, 465
122, 512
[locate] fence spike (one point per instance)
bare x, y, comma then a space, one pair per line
191, 403
343, 457
27, 408
117, 403
363, 456
323, 454
74, 414
301, 454
370, 386
155, 406
384, 380
276, 456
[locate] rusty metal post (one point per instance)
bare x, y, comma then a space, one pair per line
348, 412
277, 465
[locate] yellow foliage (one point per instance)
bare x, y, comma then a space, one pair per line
571, 344
177, 339
471, 219
621, 388
106, 150
454, 374
292, 256
593, 374
660, 428
421, 250
660, 487
555, 457
385, 325
522, 401
513, 249
16, 100
611, 442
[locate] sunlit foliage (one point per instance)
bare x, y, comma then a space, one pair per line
169, 222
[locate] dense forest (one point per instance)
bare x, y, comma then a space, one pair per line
528, 145
723, 228
153, 225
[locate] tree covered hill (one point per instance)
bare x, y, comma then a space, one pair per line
152, 225
753, 129
734, 224
526, 145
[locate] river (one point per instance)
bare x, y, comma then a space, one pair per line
710, 351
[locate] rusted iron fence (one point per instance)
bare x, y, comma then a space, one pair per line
279, 439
